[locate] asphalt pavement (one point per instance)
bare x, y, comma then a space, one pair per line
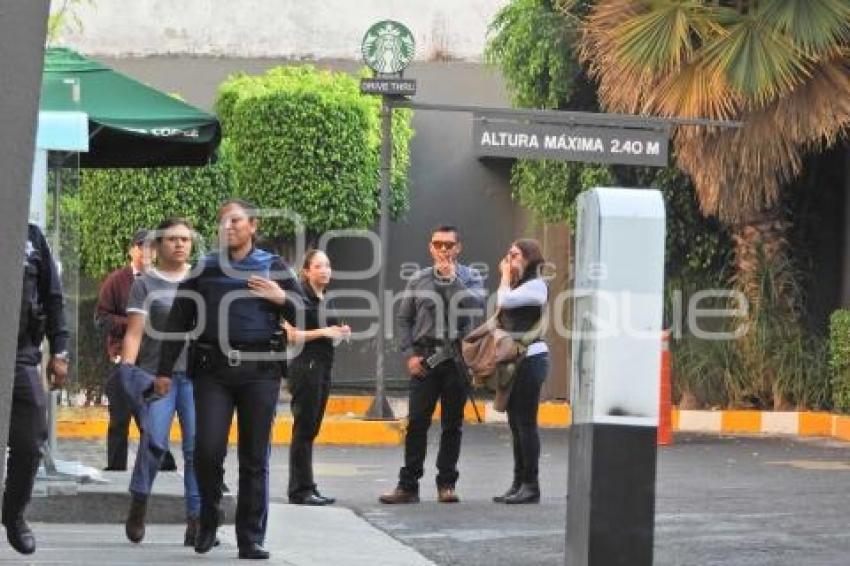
721, 500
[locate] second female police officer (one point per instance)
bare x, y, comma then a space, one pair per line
234, 300
309, 376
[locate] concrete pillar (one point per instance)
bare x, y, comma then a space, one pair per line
619, 284
23, 27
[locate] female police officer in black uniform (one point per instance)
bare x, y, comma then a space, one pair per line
234, 300
309, 376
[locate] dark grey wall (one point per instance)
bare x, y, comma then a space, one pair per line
820, 221
448, 183
22, 31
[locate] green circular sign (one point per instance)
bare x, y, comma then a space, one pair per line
388, 47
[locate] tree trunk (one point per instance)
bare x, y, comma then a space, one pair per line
688, 401
764, 276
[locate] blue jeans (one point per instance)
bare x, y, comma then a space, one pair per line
180, 399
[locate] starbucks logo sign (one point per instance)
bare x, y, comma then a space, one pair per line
388, 47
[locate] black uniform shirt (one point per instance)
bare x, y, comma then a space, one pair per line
41, 296
318, 313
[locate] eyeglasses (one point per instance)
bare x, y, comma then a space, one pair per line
443, 245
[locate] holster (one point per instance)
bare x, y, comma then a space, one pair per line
199, 359
37, 325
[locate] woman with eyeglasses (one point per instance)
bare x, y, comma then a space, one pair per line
522, 299
151, 297
309, 375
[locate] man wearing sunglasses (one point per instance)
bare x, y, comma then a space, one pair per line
439, 306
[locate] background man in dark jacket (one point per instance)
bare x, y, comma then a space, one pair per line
111, 318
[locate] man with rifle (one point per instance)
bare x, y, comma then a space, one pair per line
436, 310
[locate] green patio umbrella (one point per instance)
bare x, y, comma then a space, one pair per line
130, 124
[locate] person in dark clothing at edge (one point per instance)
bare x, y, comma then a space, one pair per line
234, 366
521, 298
309, 376
436, 309
111, 317
41, 313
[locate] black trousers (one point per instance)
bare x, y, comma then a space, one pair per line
309, 380
252, 389
119, 424
522, 416
445, 384
27, 434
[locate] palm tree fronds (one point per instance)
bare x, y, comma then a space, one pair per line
662, 39
756, 60
693, 93
596, 50
817, 27
818, 112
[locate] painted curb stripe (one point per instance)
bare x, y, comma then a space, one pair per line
342, 425
740, 421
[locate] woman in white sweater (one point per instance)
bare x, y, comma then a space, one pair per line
522, 299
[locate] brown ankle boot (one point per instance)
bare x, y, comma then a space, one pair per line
191, 531
135, 525
399, 496
447, 494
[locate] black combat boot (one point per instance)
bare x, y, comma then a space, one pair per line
191, 531
510, 492
20, 535
528, 493
208, 524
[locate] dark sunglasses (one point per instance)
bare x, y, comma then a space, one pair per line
441, 245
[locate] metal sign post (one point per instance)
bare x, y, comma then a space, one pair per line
380, 408
388, 49
617, 322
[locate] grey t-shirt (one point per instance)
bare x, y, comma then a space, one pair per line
152, 295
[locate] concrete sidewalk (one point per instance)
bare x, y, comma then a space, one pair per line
297, 536
83, 523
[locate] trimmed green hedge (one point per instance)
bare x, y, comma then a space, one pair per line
307, 141
117, 202
839, 359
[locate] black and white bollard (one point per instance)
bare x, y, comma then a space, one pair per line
617, 321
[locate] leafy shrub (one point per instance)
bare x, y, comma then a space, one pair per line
306, 141
550, 188
839, 358
533, 43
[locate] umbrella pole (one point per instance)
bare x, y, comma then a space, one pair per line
53, 395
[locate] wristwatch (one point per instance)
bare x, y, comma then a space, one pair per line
63, 355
